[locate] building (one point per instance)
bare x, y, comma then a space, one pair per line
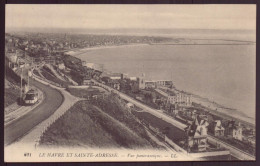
172, 99
164, 83
197, 133
251, 139
194, 114
115, 78
216, 128
234, 130
116, 85
87, 81
150, 84
141, 82
181, 99
133, 78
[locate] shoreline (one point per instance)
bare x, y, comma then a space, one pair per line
220, 109
78, 51
205, 101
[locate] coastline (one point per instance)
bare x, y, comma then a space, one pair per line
205, 101
79, 51
220, 109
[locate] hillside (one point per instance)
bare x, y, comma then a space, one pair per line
85, 125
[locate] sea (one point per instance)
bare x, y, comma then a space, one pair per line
222, 73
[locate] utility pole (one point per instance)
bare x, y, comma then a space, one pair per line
28, 77
21, 86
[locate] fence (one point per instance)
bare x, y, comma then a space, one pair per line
48, 122
53, 118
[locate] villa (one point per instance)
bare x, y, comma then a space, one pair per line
216, 128
197, 135
234, 130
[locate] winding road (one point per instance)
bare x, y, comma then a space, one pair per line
52, 101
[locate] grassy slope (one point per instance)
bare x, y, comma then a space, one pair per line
76, 128
79, 92
85, 125
116, 108
11, 94
53, 78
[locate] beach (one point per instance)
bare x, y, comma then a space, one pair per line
77, 52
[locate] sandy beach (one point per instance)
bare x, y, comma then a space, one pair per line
79, 51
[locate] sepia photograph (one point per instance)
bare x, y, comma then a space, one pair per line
110, 82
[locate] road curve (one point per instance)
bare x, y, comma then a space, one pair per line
53, 99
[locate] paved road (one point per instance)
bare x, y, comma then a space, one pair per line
53, 99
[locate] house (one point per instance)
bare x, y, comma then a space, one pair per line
194, 114
87, 80
116, 85
197, 133
216, 128
251, 139
234, 130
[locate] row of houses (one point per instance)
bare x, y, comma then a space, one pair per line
215, 127
197, 132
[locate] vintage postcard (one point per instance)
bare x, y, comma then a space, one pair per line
106, 83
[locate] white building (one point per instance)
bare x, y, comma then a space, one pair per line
164, 83
150, 84
180, 98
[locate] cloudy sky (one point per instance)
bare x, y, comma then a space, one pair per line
131, 16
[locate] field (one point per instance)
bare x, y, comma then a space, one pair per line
85, 125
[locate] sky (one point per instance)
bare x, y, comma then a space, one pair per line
132, 16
